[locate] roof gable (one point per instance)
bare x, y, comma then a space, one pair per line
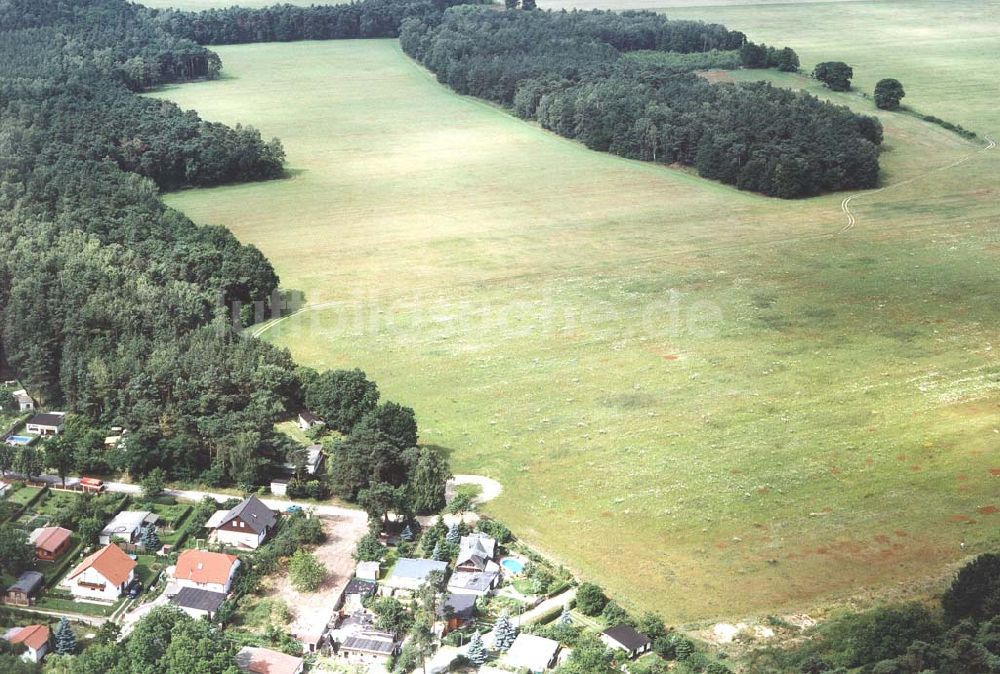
48, 419
253, 513
32, 636
49, 538
110, 562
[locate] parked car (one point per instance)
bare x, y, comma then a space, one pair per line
135, 589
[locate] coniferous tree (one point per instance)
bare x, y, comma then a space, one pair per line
454, 535
477, 651
565, 618
65, 639
407, 534
438, 553
150, 539
504, 633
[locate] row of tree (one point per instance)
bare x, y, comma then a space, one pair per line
566, 71
284, 23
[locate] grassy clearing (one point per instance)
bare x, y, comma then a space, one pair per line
708, 401
292, 430
24, 495
944, 53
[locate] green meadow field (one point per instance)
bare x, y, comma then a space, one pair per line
713, 403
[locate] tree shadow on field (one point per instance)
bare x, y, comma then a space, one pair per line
444, 452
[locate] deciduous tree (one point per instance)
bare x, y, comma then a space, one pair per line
888, 93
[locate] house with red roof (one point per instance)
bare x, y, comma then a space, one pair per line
203, 570
34, 638
50, 542
103, 576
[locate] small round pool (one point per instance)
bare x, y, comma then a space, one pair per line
512, 564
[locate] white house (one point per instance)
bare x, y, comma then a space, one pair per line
46, 423
103, 576
476, 553
203, 570
25, 403
34, 638
127, 526
369, 647
312, 460
308, 420
247, 525
534, 653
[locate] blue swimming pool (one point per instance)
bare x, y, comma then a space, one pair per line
513, 565
19, 439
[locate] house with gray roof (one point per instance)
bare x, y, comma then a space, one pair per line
198, 603
356, 591
476, 553
409, 574
456, 611
474, 583
127, 526
21, 592
369, 647
247, 525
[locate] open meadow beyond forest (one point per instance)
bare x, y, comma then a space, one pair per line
711, 402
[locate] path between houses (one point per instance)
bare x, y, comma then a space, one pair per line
548, 606
95, 621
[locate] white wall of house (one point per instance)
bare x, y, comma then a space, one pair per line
31, 655
246, 539
195, 613
80, 586
42, 429
222, 588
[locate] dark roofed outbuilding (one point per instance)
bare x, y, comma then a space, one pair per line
20, 592
198, 602
626, 638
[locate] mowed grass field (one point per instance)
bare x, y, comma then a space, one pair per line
713, 403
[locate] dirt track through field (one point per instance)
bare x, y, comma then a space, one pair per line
852, 219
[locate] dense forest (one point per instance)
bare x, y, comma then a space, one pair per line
119, 309
567, 71
284, 23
